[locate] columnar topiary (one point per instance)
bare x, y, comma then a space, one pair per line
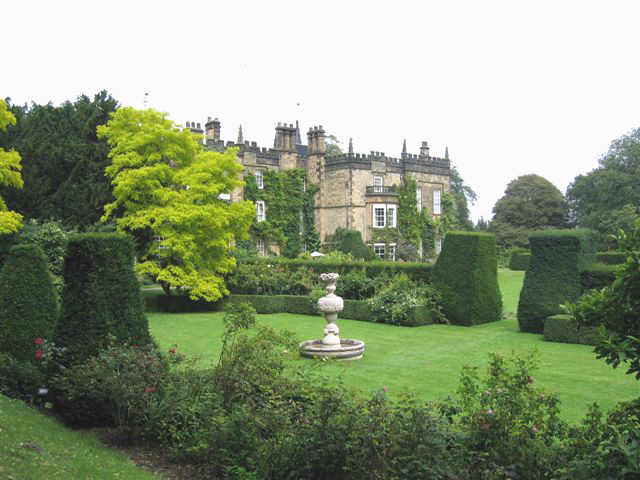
553, 277
28, 304
519, 259
101, 296
466, 274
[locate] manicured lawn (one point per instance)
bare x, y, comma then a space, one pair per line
427, 360
36, 447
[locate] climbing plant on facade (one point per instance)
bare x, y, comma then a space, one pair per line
288, 217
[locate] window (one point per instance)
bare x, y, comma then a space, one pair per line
260, 216
225, 196
384, 215
436, 202
438, 246
259, 179
260, 246
381, 250
378, 182
419, 198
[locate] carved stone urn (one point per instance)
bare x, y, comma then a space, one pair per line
331, 345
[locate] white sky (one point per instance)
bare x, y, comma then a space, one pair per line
512, 87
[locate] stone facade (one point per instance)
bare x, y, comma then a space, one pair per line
353, 187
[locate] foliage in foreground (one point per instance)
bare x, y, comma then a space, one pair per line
254, 415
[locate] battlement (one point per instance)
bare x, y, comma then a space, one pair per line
409, 162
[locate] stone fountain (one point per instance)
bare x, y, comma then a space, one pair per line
331, 345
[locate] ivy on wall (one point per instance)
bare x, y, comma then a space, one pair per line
413, 226
289, 218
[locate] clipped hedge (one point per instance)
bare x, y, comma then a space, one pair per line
598, 275
519, 260
302, 305
466, 274
28, 302
562, 328
611, 258
101, 296
419, 272
553, 277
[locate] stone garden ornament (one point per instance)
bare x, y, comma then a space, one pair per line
331, 345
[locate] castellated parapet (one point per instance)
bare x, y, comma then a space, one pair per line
355, 189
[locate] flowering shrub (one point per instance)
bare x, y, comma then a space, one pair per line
115, 387
511, 423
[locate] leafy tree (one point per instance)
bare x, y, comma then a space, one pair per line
165, 182
9, 174
617, 308
63, 159
332, 145
530, 203
481, 225
413, 226
462, 194
606, 198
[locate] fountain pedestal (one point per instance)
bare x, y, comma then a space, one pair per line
331, 345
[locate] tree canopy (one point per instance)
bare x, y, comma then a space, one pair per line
164, 182
9, 174
606, 199
63, 159
530, 203
461, 195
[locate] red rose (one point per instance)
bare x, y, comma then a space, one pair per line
38, 354
39, 341
173, 350
148, 389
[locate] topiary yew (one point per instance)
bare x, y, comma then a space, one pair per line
553, 277
466, 274
28, 304
101, 296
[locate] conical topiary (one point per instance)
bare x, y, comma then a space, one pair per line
28, 302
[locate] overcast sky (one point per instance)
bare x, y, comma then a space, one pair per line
512, 87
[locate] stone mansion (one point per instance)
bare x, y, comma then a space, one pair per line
356, 190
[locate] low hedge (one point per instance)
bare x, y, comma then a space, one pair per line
419, 272
611, 258
598, 275
562, 328
353, 309
519, 260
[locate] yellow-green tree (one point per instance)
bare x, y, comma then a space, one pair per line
9, 175
165, 182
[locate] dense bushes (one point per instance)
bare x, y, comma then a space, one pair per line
611, 258
101, 296
597, 275
553, 277
28, 304
466, 274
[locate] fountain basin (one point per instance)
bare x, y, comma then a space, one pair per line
349, 349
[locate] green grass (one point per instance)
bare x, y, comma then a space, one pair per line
35, 447
427, 360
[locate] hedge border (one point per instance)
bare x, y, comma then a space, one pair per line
562, 328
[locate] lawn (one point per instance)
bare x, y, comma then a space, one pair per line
34, 447
426, 360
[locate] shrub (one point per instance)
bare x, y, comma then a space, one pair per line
28, 304
355, 285
19, 379
351, 242
511, 424
553, 277
519, 259
115, 387
563, 328
101, 296
396, 303
466, 274
357, 310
